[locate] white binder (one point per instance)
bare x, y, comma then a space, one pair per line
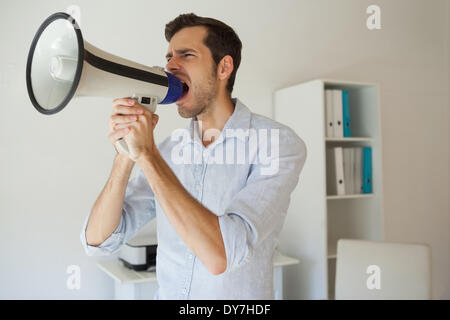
348, 170
335, 171
358, 170
329, 120
337, 114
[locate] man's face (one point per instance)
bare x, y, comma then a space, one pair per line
190, 61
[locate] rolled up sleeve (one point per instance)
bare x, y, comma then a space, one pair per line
138, 210
259, 209
107, 247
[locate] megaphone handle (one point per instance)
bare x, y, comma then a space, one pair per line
122, 146
147, 102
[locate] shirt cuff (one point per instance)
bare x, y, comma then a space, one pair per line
236, 233
110, 246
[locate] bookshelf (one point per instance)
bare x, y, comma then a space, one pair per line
316, 220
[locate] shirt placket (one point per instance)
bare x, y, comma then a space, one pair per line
199, 175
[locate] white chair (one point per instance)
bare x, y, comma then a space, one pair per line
382, 270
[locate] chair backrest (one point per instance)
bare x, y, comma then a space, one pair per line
382, 270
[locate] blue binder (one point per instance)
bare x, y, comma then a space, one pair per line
367, 170
346, 114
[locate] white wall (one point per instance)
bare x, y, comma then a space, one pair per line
447, 292
53, 167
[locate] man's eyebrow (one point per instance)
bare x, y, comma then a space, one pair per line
180, 51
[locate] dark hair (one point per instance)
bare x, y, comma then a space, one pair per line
221, 39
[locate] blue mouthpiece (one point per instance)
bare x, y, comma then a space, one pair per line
174, 91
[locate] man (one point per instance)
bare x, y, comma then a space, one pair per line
217, 221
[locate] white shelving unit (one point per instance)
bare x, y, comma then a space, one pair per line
315, 220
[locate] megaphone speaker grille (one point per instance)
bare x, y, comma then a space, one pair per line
55, 62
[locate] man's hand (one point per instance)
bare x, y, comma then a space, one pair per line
135, 125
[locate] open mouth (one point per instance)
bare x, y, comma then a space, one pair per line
185, 89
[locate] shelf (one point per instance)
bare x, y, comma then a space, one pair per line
332, 251
351, 196
353, 139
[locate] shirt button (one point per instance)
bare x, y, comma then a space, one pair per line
197, 187
184, 291
190, 256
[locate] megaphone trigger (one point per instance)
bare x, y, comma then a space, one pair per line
147, 101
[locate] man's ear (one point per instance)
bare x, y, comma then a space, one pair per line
225, 67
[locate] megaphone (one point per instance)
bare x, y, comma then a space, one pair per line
61, 66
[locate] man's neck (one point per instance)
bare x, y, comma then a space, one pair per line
214, 119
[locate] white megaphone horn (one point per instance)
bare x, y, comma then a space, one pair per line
61, 66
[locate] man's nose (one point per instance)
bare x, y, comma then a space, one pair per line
172, 65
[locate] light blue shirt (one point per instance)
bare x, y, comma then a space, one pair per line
250, 195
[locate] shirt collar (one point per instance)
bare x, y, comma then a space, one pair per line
239, 119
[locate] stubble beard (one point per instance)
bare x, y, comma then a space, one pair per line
203, 96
